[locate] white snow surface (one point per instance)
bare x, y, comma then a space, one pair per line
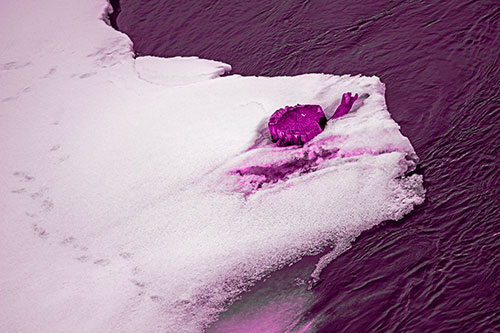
178, 71
119, 208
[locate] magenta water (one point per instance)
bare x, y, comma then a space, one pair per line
437, 270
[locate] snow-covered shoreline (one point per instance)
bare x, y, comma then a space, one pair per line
119, 210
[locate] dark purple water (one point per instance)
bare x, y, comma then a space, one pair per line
438, 270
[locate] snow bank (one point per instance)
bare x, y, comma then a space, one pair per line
123, 204
178, 71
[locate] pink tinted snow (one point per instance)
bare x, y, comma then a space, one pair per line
296, 126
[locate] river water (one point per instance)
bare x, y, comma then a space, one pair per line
438, 269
